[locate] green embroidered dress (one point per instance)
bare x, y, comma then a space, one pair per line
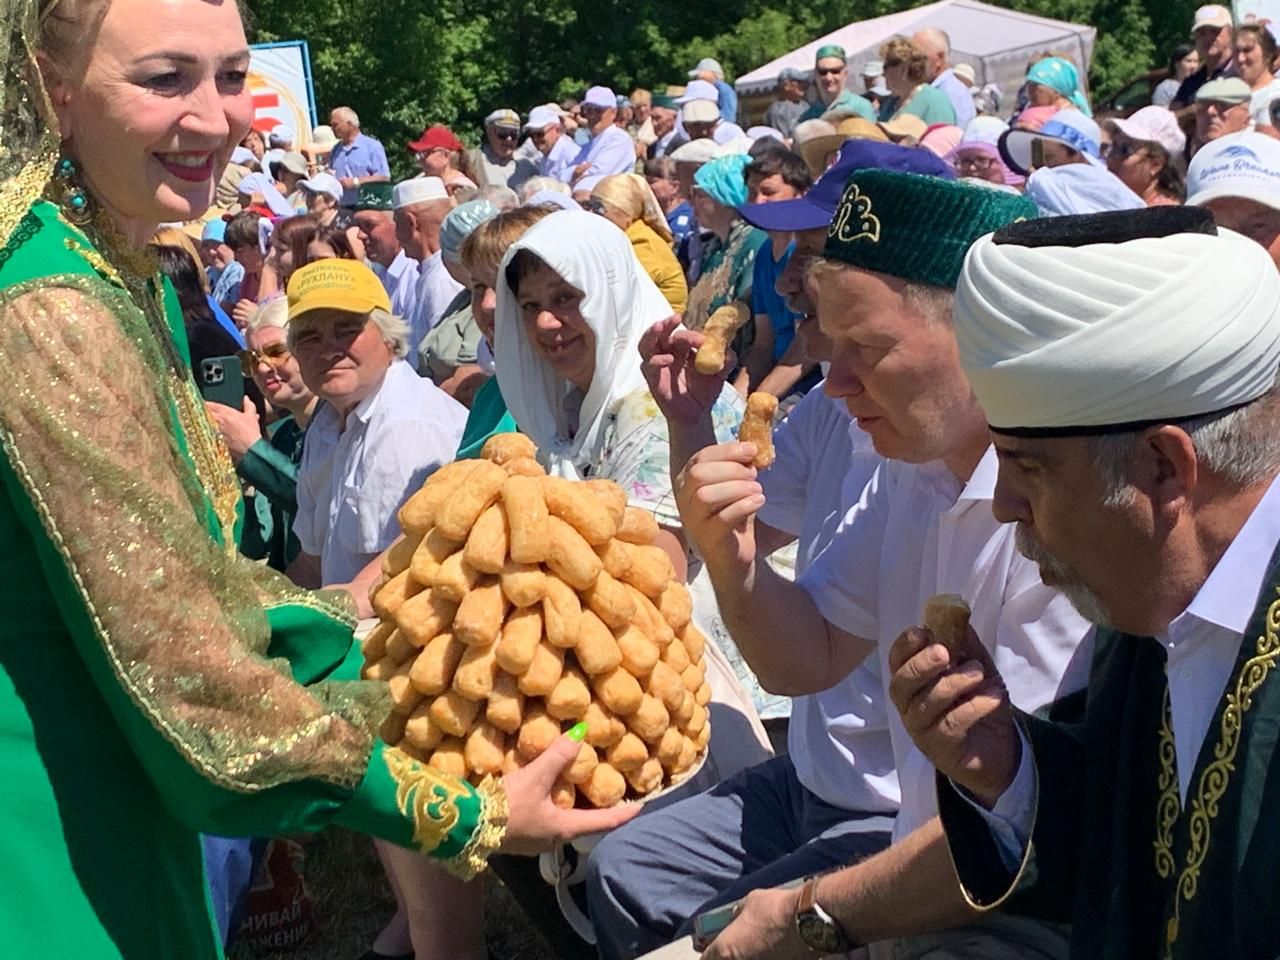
153, 684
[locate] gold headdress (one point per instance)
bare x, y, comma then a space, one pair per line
28, 133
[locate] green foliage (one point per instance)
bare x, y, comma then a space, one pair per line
406, 63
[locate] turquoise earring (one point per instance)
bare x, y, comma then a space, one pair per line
77, 205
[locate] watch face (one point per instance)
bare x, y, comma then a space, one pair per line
818, 934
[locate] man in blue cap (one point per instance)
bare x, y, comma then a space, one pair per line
880, 241
785, 112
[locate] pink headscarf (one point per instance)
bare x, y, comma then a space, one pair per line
941, 138
1033, 118
981, 136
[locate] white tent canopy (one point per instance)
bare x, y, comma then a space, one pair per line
996, 41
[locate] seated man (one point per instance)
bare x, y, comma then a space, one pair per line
922, 525
382, 429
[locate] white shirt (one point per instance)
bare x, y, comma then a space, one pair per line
612, 152
436, 290
838, 740
726, 131
918, 531
1202, 644
560, 159
1260, 103
400, 280
352, 481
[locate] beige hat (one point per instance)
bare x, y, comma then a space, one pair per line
817, 150
904, 126
1212, 15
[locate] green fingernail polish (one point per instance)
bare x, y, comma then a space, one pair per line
578, 733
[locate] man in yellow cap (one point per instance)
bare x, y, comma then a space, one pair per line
382, 429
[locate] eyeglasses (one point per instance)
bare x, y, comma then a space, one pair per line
506, 134
829, 71
1121, 149
593, 205
537, 136
975, 163
273, 355
423, 154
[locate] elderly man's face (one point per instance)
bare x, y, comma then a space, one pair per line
598, 119
546, 138
897, 371
418, 227
1255, 220
1213, 43
338, 123
502, 140
377, 230
664, 120
1215, 119
343, 356
791, 89
830, 75
700, 130
1085, 544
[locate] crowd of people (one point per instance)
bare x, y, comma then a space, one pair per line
1027, 360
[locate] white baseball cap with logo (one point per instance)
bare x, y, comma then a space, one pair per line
1153, 125
1245, 165
1212, 15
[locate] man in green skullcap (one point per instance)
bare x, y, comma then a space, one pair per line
922, 525
397, 270
830, 75
663, 113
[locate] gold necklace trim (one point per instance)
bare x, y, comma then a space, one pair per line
1215, 778
1169, 806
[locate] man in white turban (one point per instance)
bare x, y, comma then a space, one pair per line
1127, 366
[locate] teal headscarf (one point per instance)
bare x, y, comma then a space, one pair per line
722, 179
1060, 75
459, 224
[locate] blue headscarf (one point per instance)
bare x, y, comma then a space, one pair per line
1061, 76
459, 224
722, 179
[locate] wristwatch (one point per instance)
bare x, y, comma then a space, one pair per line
817, 928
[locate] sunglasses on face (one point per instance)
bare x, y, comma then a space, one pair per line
273, 355
538, 136
506, 134
593, 205
1121, 149
830, 71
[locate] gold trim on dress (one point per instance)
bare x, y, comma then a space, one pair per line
1169, 806
1215, 778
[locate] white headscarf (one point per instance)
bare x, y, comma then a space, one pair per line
1055, 338
620, 302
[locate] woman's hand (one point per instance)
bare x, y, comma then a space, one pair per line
242, 313
535, 823
684, 395
240, 428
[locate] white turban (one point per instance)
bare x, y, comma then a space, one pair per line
1076, 339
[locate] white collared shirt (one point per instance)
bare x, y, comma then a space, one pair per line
559, 161
400, 280
838, 740
436, 290
1202, 644
915, 532
352, 481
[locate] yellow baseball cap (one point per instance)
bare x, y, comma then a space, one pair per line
336, 285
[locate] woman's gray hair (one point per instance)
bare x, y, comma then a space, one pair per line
1241, 446
394, 330
273, 313
538, 184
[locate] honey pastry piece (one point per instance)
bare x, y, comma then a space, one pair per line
485, 748
400, 647
421, 731
571, 557
676, 656
544, 671
570, 697
474, 676
611, 495
666, 685
757, 427
487, 544
479, 617
459, 513
449, 757
454, 713
526, 509
616, 557
383, 669
587, 760
638, 526
505, 707
433, 671
519, 640
695, 641
646, 778
610, 601
523, 584
455, 578
669, 747
676, 606
388, 600
577, 507
603, 728
628, 753
424, 616
639, 653
404, 696
398, 556
619, 691
524, 467
605, 787
650, 619
503, 447
374, 646
564, 794
718, 333
650, 570
597, 650
392, 729
650, 721
434, 549
537, 732
562, 611
418, 515
946, 616
512, 761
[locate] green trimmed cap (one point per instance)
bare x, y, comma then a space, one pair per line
832, 51
665, 101
915, 227
374, 196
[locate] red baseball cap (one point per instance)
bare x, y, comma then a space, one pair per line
435, 136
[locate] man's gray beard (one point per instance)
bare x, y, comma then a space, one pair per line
1081, 597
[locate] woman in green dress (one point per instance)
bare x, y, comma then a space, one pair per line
153, 683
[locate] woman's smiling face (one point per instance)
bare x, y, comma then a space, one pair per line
551, 312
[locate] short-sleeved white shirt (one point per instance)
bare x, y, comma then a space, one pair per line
838, 740
918, 531
352, 482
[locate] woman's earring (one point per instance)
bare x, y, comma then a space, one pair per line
77, 206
